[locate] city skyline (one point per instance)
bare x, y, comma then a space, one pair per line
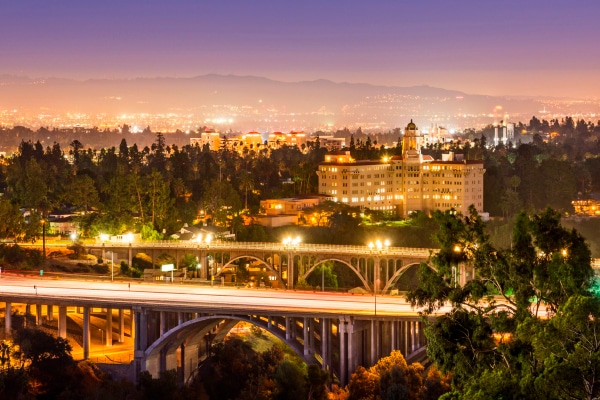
512, 48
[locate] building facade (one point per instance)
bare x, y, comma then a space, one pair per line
404, 184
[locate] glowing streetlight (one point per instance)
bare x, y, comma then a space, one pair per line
112, 265
457, 249
290, 243
377, 248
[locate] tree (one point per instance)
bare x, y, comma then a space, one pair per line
482, 340
569, 348
392, 378
82, 193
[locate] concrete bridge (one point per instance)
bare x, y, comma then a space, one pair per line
174, 325
378, 269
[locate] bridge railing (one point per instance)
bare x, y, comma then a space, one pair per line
274, 246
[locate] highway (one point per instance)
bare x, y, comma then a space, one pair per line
190, 298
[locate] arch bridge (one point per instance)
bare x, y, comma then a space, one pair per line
174, 326
377, 269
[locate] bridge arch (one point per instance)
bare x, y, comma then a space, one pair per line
401, 271
269, 266
193, 335
345, 262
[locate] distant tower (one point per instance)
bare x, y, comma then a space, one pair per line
510, 132
411, 142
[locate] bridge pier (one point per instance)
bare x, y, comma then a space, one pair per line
108, 327
121, 325
62, 322
50, 312
86, 333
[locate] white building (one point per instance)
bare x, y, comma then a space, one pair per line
404, 184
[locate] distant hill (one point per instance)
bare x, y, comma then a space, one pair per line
251, 99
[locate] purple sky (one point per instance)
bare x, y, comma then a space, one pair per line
530, 47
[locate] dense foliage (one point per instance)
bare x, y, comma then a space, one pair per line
524, 324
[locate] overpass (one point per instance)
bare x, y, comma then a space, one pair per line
378, 269
173, 325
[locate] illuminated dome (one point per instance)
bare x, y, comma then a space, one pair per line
411, 126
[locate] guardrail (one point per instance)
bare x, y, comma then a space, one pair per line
274, 246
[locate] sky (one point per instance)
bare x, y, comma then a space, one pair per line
509, 47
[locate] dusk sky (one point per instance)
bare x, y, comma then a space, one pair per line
521, 47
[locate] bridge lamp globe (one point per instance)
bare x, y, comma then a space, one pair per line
128, 237
386, 243
73, 237
104, 237
378, 244
208, 238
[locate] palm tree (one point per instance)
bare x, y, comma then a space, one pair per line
246, 183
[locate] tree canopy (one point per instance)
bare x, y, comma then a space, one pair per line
496, 339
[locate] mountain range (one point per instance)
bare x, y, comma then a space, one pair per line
254, 100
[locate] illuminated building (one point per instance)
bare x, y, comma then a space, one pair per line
588, 206
209, 137
404, 184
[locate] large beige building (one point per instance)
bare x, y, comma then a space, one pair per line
404, 184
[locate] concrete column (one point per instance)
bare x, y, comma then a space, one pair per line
180, 319
182, 370
8, 319
143, 330
121, 325
412, 337
27, 314
394, 335
163, 323
291, 271
306, 336
406, 338
373, 359
86, 333
108, 335
62, 322
311, 336
288, 328
269, 323
50, 312
342, 328
38, 315
325, 344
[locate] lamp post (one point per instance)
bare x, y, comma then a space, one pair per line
112, 265
44, 238
290, 243
457, 250
204, 243
377, 248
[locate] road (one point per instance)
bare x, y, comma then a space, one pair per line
189, 298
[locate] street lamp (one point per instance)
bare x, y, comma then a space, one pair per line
73, 237
377, 248
43, 221
457, 250
290, 243
112, 265
204, 241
